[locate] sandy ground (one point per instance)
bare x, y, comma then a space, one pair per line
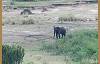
87, 10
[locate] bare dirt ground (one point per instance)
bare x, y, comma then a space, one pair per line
31, 36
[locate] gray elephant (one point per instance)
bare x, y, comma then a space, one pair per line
59, 32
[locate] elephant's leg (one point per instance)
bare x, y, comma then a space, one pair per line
56, 35
59, 35
62, 35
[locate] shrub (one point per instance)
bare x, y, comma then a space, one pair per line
30, 21
12, 54
13, 23
68, 19
72, 19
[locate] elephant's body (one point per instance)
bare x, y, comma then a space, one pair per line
59, 32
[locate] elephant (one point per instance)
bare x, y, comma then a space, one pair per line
59, 32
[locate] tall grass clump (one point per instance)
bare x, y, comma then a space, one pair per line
72, 19
81, 46
12, 54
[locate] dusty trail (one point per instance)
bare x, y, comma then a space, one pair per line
38, 32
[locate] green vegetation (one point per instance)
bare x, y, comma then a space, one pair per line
71, 18
31, 0
12, 54
30, 3
81, 46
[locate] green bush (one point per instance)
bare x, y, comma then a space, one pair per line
30, 21
12, 54
79, 45
71, 18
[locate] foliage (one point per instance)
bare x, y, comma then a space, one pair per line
12, 54
31, 0
72, 18
78, 45
47, 0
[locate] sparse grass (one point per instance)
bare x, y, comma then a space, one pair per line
81, 46
33, 19
18, 20
57, 14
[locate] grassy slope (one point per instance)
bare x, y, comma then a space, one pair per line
81, 46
